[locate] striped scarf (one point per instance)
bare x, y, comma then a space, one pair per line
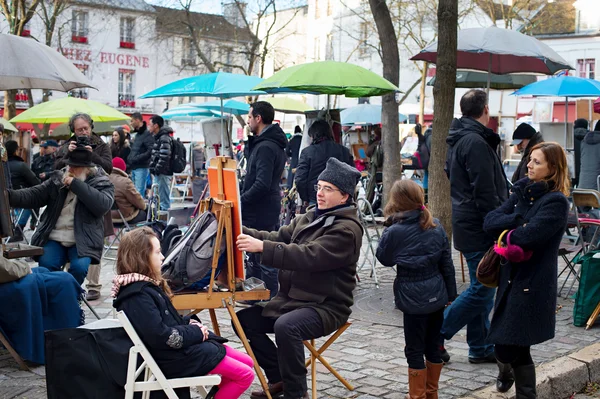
121, 280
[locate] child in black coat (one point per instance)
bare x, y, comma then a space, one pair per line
418, 246
181, 346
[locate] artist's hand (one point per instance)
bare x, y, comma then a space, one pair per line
42, 175
72, 145
67, 180
249, 244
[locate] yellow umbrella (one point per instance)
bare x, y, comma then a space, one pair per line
57, 111
8, 126
288, 105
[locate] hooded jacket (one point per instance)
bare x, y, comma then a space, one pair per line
178, 347
477, 182
101, 155
43, 164
160, 163
141, 149
127, 198
525, 307
20, 174
261, 195
316, 258
95, 197
590, 161
521, 170
313, 161
425, 280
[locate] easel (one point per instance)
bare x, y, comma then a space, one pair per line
211, 300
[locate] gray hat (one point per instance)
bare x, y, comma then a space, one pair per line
341, 175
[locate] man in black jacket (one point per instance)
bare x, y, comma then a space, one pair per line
478, 185
525, 137
160, 163
261, 195
292, 150
141, 152
43, 163
21, 176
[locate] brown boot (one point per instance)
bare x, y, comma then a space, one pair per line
276, 391
417, 379
433, 378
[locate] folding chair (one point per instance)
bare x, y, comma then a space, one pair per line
183, 188
369, 223
120, 227
13, 352
317, 354
154, 378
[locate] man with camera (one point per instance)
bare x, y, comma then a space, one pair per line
82, 126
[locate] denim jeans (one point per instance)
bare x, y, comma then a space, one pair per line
56, 255
164, 191
472, 308
139, 177
266, 273
24, 216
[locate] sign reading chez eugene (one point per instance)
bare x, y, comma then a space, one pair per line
107, 58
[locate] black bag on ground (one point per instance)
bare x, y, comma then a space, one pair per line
191, 258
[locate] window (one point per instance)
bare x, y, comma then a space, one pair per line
318, 9
317, 49
329, 49
363, 46
83, 92
79, 26
21, 96
127, 39
586, 68
188, 56
226, 58
431, 71
126, 88
26, 30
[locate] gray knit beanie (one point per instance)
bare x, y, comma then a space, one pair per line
341, 175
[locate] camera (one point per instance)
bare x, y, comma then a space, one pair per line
83, 141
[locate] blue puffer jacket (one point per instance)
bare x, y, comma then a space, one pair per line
424, 270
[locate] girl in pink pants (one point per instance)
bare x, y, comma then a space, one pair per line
236, 374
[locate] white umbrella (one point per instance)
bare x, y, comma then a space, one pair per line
28, 64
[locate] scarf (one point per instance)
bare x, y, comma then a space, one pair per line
121, 280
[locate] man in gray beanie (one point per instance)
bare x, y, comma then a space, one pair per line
317, 251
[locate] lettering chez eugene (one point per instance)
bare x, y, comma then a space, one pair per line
106, 58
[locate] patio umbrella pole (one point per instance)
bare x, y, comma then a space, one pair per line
222, 131
566, 119
489, 78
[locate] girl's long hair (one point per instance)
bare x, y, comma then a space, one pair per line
555, 155
406, 195
133, 255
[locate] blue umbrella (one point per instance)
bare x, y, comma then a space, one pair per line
364, 114
187, 112
233, 107
563, 86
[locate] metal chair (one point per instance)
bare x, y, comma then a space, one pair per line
120, 228
369, 223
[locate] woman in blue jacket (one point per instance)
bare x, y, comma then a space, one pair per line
525, 308
418, 246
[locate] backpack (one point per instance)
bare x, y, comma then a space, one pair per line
178, 156
190, 259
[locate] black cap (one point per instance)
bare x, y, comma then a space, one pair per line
523, 131
80, 157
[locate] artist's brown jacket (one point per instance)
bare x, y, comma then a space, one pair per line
317, 261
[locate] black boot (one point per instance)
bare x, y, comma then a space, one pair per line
525, 382
505, 378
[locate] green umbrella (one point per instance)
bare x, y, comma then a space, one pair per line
57, 111
288, 105
327, 77
8, 126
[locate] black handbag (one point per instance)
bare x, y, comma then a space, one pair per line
488, 269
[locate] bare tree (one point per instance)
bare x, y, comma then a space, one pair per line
532, 16
443, 94
17, 14
392, 167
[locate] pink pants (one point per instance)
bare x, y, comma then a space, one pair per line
236, 374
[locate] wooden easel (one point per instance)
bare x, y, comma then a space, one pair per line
211, 300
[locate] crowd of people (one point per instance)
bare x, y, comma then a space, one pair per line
309, 266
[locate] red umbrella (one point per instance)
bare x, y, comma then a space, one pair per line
597, 105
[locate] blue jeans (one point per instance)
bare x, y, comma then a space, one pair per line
24, 216
55, 257
472, 308
139, 177
266, 273
164, 191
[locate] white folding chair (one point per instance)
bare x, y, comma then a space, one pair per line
154, 379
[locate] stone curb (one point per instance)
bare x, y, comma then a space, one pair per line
557, 379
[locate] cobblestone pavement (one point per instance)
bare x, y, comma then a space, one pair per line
370, 354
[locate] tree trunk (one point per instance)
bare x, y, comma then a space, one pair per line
10, 104
422, 94
392, 167
443, 110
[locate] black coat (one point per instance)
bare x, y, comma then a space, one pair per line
477, 182
313, 160
43, 164
521, 170
261, 195
525, 308
293, 149
160, 163
590, 161
425, 280
101, 155
95, 197
141, 149
178, 347
20, 174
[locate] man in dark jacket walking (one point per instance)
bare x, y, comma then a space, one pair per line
160, 164
478, 185
524, 138
292, 150
314, 158
580, 129
317, 255
141, 153
261, 195
590, 160
21, 176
